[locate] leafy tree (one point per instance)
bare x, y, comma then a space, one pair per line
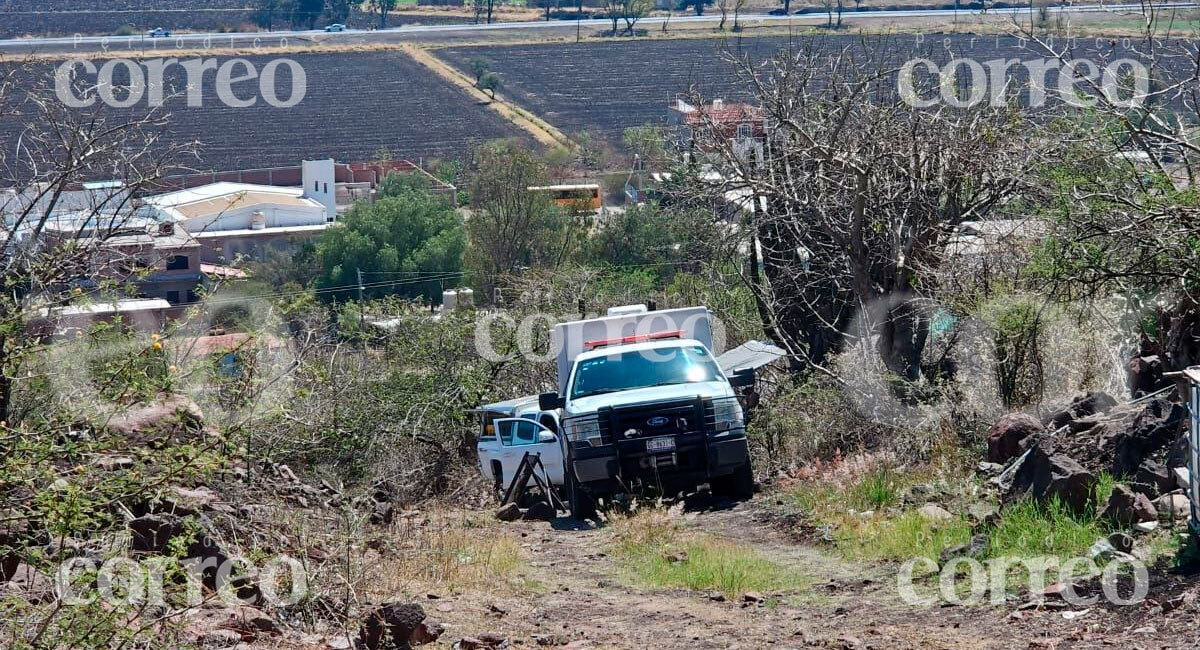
696, 5
612, 11
400, 240
632, 11
479, 67
337, 11
647, 142
397, 184
382, 7
512, 228
650, 237
489, 83
306, 12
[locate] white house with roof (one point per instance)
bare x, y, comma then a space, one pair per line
236, 206
232, 220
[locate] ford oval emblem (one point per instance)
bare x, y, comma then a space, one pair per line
657, 421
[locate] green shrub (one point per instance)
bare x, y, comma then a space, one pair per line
898, 538
1030, 529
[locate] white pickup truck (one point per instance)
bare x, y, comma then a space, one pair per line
509, 430
641, 403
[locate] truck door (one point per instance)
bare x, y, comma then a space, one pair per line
488, 446
520, 435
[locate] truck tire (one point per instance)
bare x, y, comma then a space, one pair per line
582, 505
498, 487
738, 485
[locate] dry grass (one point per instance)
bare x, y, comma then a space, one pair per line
447, 554
431, 551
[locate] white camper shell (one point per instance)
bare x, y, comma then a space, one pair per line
631, 323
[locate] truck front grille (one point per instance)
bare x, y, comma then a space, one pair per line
657, 419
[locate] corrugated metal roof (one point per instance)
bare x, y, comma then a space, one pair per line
751, 354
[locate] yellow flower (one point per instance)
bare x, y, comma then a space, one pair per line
77, 291
157, 346
155, 336
173, 369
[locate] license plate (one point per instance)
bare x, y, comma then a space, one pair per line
660, 444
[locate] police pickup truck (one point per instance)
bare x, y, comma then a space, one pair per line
641, 404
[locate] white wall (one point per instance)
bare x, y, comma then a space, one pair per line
319, 184
238, 218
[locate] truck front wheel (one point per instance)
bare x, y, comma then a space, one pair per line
738, 485
582, 505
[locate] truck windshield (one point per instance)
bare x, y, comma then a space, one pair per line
643, 369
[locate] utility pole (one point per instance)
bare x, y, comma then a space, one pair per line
578, 17
362, 310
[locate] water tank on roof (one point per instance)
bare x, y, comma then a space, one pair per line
258, 220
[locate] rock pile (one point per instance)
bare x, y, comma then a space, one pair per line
1142, 443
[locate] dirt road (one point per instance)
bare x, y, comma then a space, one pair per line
586, 600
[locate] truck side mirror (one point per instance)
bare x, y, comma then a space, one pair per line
546, 436
550, 401
742, 378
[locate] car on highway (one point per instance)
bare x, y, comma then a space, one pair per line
158, 32
336, 27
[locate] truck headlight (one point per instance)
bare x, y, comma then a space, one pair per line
727, 415
584, 429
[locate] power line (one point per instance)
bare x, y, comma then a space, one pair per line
301, 292
597, 268
433, 276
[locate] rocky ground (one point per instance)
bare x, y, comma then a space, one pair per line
387, 576
588, 603
577, 595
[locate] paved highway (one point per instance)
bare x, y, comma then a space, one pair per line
411, 32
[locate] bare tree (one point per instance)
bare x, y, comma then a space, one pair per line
738, 5
860, 192
613, 10
632, 11
1128, 217
833, 7
55, 234
724, 6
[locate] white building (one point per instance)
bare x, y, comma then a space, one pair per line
232, 220
236, 206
